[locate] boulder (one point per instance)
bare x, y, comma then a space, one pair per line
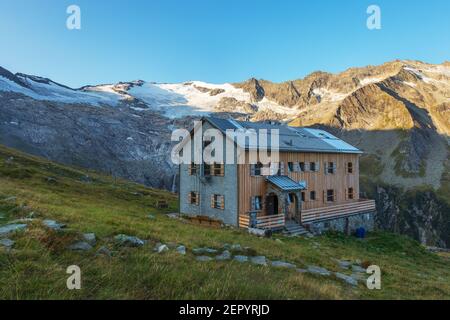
4, 230
203, 258
344, 264
356, 268
80, 246
128, 241
350, 280
181, 250
225, 255
241, 258
260, 232
90, 238
160, 247
7, 243
283, 264
359, 276
204, 251
318, 270
236, 247
52, 224
260, 260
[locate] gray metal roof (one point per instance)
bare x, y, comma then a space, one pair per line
294, 139
285, 183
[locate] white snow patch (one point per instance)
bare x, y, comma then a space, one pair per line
367, 81
328, 95
53, 92
409, 83
444, 70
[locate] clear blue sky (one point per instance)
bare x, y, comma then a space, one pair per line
214, 40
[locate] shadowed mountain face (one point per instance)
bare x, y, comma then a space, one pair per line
398, 113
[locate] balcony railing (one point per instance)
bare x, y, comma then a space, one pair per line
339, 210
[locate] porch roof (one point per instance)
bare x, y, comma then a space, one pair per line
285, 183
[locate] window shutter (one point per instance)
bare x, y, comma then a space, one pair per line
212, 201
252, 169
296, 166
324, 196
334, 167
197, 198
317, 166
282, 168
252, 203
222, 169
306, 166
222, 202
325, 167
190, 169
189, 197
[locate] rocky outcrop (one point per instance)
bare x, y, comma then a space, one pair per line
122, 142
418, 213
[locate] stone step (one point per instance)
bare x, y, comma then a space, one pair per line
295, 229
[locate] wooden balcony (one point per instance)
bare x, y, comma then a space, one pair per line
263, 222
276, 222
336, 211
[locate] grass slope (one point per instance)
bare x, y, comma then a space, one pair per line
36, 267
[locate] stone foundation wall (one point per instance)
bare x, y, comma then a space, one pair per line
347, 224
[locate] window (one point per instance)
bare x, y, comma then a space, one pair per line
218, 169
257, 203
312, 195
349, 167
206, 169
303, 196
256, 169
350, 193
291, 166
312, 166
291, 197
217, 201
331, 167
193, 198
192, 169
302, 166
330, 195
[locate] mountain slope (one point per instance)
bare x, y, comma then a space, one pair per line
35, 267
398, 113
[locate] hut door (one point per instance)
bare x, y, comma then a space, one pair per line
272, 205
